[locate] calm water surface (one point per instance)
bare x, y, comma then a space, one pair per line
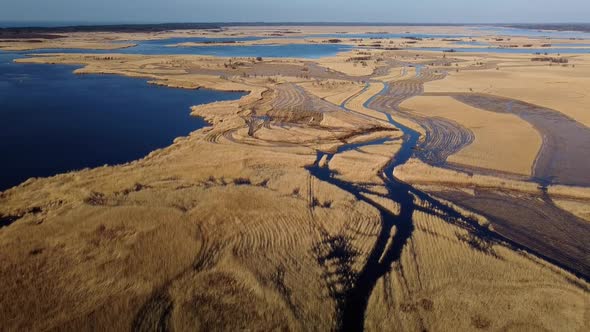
53, 121
533, 33
162, 47
389, 35
516, 50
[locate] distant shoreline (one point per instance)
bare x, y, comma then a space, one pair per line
8, 28
579, 27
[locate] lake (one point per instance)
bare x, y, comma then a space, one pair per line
53, 121
162, 47
513, 50
533, 33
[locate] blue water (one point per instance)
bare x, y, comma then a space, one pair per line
519, 50
162, 47
387, 35
53, 121
571, 45
177, 40
531, 32
472, 43
309, 51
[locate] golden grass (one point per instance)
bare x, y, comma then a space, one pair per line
388, 204
392, 74
334, 91
365, 164
569, 191
579, 208
419, 173
357, 103
63, 44
444, 283
575, 200
159, 231
564, 89
342, 63
503, 142
133, 239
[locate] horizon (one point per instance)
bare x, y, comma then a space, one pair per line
66, 23
304, 11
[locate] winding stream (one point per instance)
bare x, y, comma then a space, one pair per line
387, 250
353, 304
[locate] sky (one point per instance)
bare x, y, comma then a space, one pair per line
386, 11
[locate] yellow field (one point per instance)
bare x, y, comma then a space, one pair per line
342, 63
333, 91
564, 89
503, 142
364, 165
357, 104
444, 283
417, 172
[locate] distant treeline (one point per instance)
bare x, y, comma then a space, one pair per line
219, 25
110, 28
44, 32
185, 26
26, 34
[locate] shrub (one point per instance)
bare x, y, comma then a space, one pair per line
550, 59
95, 198
242, 181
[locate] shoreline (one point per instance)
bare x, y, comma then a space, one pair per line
443, 35
78, 69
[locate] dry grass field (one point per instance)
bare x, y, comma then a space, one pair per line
328, 180
450, 279
357, 103
564, 89
334, 91
494, 133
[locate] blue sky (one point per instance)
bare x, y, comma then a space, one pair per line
449, 11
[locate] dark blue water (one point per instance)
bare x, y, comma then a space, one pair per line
52, 121
353, 300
